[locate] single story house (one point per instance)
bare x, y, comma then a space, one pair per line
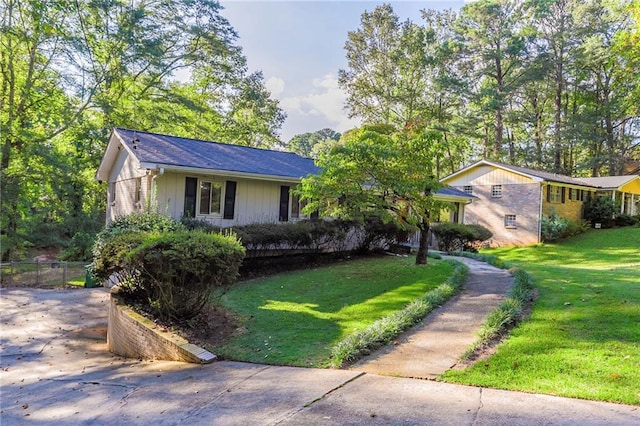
227, 185
512, 200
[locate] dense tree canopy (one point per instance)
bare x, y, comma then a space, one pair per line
69, 71
305, 143
375, 169
550, 84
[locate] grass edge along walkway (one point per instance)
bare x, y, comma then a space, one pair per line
509, 313
386, 329
581, 340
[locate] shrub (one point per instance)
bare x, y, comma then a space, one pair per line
181, 271
458, 236
554, 227
135, 222
377, 234
626, 220
192, 224
600, 210
113, 261
80, 247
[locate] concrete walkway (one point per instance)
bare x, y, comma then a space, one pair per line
54, 369
434, 346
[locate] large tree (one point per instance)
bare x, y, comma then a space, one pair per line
305, 143
376, 169
69, 71
494, 49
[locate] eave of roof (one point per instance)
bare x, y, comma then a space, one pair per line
610, 182
536, 175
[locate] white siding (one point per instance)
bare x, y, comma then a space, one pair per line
124, 178
256, 201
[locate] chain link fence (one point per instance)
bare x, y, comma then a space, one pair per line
44, 274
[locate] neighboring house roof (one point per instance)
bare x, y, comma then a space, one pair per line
610, 182
154, 150
536, 175
448, 191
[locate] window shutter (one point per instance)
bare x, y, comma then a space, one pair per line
190, 193
229, 200
284, 203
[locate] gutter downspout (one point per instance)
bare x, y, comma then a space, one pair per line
153, 200
540, 213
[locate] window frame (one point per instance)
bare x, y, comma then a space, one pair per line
510, 221
496, 191
213, 183
468, 189
555, 194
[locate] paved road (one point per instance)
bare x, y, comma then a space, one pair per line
54, 369
435, 345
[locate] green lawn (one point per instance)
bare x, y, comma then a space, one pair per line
583, 337
295, 318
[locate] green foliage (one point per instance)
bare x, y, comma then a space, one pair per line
581, 339
174, 273
457, 236
601, 210
192, 224
556, 228
149, 222
627, 220
305, 143
181, 271
111, 261
80, 248
385, 329
70, 71
376, 170
509, 312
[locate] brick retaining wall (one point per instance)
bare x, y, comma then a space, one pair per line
131, 335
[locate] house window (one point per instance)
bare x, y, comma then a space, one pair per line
496, 191
210, 196
573, 194
510, 220
296, 206
138, 193
468, 189
555, 194
112, 192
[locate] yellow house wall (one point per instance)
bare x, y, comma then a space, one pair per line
570, 209
632, 187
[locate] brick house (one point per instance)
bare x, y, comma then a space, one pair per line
512, 200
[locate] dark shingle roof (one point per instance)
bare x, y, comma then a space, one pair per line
193, 153
447, 190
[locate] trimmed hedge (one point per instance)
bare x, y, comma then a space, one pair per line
173, 274
181, 271
457, 236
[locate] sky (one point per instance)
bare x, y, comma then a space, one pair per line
299, 47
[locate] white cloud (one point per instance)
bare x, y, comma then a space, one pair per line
275, 86
325, 103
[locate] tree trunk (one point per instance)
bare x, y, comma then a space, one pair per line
423, 249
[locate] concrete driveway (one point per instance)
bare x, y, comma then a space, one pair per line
54, 369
